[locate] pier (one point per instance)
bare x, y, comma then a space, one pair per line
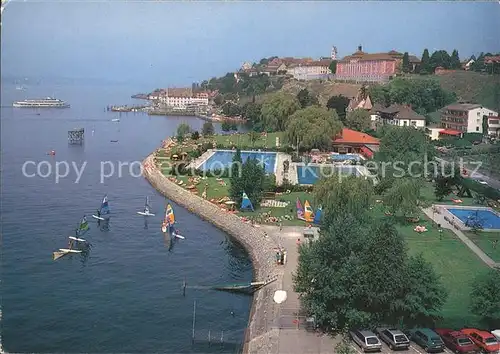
76, 136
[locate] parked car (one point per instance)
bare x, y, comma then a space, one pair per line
484, 340
482, 181
427, 339
496, 333
457, 341
393, 337
367, 340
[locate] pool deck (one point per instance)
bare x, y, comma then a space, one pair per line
437, 214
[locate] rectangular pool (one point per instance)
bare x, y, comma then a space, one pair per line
223, 159
487, 218
344, 157
311, 174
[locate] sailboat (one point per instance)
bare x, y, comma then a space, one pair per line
169, 221
64, 251
308, 212
103, 210
146, 211
82, 228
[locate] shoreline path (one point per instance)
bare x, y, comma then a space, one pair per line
263, 334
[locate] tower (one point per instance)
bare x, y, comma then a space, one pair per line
334, 53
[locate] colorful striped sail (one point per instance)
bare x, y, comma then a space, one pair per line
300, 210
169, 215
317, 215
308, 212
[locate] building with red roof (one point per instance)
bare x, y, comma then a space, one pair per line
351, 141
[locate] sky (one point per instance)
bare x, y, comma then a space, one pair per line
177, 43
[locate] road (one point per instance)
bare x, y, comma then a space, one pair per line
492, 181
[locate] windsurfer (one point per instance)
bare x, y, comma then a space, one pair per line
98, 213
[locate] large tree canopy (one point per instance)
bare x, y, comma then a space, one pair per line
277, 109
485, 298
313, 127
359, 120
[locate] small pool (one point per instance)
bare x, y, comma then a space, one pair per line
487, 218
223, 158
344, 157
311, 174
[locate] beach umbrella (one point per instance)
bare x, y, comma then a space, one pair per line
279, 296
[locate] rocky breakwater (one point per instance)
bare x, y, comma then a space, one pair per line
262, 335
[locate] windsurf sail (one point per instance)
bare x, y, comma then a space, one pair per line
246, 203
169, 219
104, 205
317, 215
83, 227
146, 206
300, 210
308, 212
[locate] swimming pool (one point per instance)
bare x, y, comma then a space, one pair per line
487, 218
344, 157
311, 174
223, 158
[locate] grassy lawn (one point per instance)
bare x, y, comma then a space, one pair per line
427, 194
452, 260
484, 240
267, 141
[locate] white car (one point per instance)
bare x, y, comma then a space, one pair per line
481, 181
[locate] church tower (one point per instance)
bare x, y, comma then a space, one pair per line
334, 53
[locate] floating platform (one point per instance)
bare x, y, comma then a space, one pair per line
248, 288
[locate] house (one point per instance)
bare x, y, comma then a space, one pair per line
494, 126
434, 132
361, 66
184, 97
351, 141
466, 65
246, 66
311, 70
461, 118
157, 94
274, 69
360, 103
401, 116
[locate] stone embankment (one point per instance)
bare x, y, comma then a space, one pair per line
261, 335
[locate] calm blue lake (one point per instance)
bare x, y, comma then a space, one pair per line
126, 295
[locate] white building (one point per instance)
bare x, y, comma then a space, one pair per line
401, 116
183, 98
466, 118
311, 70
494, 125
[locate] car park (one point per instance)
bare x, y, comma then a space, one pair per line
486, 341
457, 341
367, 340
393, 337
427, 339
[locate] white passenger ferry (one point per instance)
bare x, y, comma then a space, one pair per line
41, 103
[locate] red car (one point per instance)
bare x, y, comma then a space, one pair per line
484, 340
457, 341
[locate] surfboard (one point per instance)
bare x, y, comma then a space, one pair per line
145, 214
179, 236
77, 239
97, 217
67, 250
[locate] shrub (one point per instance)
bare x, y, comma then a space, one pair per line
195, 135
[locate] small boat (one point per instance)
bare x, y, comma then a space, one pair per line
82, 228
103, 209
168, 220
146, 211
114, 141
115, 120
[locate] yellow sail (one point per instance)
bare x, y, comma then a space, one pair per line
308, 212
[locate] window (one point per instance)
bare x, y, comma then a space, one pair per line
400, 338
464, 341
490, 341
477, 129
371, 340
494, 121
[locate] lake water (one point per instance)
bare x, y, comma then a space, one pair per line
126, 295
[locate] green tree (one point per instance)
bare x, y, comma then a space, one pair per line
306, 98
406, 63
344, 346
333, 67
455, 60
208, 129
253, 137
253, 180
425, 67
277, 109
403, 196
424, 292
234, 126
313, 127
442, 187
485, 298
195, 135
439, 58
252, 113
225, 126
183, 129
235, 180
485, 125
339, 195
339, 104
359, 120
231, 109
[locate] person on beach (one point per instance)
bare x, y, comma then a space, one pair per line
298, 242
281, 226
